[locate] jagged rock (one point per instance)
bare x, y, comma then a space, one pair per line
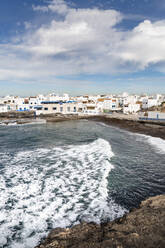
142, 227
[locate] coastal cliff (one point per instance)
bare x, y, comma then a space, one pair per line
142, 227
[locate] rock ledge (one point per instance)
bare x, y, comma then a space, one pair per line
142, 227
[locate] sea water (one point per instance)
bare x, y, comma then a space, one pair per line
57, 175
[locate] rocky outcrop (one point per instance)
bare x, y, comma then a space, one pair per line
62, 117
142, 227
17, 114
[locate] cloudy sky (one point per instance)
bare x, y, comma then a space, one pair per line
89, 46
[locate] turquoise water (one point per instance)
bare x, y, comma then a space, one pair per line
57, 175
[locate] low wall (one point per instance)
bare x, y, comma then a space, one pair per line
150, 119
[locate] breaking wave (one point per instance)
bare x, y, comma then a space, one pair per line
157, 143
56, 187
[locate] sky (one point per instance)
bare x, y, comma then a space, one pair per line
82, 47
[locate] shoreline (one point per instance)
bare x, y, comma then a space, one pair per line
150, 128
118, 233
132, 124
142, 227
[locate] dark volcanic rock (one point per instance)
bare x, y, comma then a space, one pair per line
155, 129
62, 117
17, 114
142, 227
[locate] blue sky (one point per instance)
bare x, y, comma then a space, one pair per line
82, 46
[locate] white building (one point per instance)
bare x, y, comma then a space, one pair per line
53, 97
107, 104
149, 102
131, 108
156, 115
8, 99
91, 109
4, 108
130, 100
51, 107
152, 115
23, 107
111, 104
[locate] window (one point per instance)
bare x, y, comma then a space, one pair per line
61, 109
54, 108
45, 108
68, 109
74, 109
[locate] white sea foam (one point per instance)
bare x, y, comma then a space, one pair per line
34, 122
103, 124
157, 143
54, 187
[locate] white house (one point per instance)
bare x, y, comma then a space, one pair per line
111, 104
23, 107
53, 107
131, 108
149, 102
53, 97
91, 109
107, 104
4, 108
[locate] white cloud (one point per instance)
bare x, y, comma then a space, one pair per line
82, 41
40, 8
145, 44
82, 30
58, 6
27, 25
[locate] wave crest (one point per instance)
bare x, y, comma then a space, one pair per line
56, 187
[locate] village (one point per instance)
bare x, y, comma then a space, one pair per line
143, 107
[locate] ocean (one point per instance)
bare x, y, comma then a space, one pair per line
60, 174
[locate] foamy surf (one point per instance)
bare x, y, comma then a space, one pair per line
56, 187
23, 123
157, 143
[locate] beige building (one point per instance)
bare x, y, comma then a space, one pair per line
48, 107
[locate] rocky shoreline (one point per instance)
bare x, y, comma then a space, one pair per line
142, 227
152, 128
155, 129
